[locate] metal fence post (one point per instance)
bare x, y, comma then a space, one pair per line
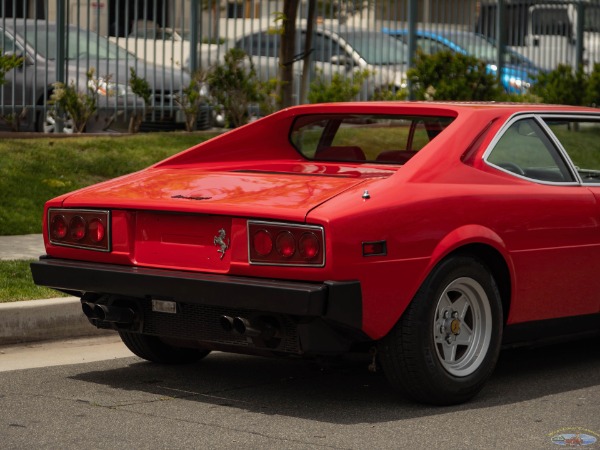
500, 20
412, 41
194, 36
579, 36
60, 41
60, 51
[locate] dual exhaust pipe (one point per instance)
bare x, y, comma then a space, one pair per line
264, 329
105, 313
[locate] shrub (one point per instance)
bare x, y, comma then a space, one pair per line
140, 87
449, 75
7, 63
78, 106
234, 86
269, 96
340, 89
562, 86
390, 93
593, 87
191, 99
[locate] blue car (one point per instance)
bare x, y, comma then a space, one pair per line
517, 70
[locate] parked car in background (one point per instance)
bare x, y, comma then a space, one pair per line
517, 70
547, 32
165, 46
344, 51
29, 87
424, 235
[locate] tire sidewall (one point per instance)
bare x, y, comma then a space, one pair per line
426, 302
408, 353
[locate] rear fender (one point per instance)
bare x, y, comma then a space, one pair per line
474, 238
470, 235
465, 235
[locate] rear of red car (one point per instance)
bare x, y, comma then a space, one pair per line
291, 236
210, 260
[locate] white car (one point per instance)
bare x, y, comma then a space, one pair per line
166, 47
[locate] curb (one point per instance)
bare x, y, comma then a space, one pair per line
42, 320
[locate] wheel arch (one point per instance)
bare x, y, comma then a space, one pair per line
498, 267
486, 246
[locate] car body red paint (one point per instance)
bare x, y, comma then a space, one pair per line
535, 230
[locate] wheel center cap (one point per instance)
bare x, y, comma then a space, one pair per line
455, 327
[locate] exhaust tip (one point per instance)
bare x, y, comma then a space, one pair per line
226, 323
243, 326
88, 310
114, 314
100, 311
240, 325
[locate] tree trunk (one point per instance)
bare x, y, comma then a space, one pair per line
310, 21
287, 52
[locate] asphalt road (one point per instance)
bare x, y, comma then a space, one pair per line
58, 396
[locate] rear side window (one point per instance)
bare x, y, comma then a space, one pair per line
390, 139
524, 149
581, 140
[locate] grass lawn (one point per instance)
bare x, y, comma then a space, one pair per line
33, 171
16, 283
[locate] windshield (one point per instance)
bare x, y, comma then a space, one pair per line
79, 44
377, 48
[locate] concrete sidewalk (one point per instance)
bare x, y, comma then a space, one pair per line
39, 320
29, 246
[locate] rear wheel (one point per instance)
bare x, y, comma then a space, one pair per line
445, 346
152, 348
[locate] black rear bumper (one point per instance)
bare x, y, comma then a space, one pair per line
334, 301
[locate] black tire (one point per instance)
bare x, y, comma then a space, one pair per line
151, 348
436, 355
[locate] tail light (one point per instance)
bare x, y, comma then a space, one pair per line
284, 244
80, 228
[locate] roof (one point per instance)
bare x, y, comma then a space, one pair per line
447, 105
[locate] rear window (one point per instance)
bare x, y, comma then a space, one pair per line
390, 139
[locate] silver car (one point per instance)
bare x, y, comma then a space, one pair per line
344, 51
27, 89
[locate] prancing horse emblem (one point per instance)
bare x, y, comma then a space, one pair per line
221, 241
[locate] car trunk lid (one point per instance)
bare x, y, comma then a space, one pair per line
247, 193
190, 219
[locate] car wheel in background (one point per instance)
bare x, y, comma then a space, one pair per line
445, 346
47, 123
153, 349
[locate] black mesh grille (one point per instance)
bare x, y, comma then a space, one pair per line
201, 322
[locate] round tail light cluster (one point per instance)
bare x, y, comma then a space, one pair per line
286, 244
79, 228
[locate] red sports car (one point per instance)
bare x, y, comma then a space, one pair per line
427, 235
